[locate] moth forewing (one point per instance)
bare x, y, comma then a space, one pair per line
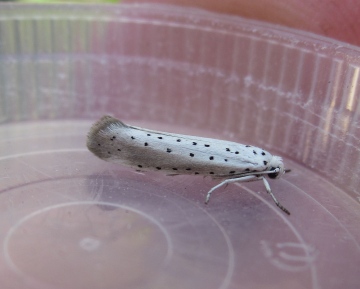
144, 149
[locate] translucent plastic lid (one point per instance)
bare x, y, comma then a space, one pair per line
71, 220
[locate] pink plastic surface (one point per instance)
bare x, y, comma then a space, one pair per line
70, 220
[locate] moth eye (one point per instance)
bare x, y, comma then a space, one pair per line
273, 175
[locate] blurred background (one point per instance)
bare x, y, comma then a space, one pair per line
289, 84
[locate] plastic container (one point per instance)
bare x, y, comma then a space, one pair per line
70, 220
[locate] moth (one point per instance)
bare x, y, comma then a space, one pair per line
148, 150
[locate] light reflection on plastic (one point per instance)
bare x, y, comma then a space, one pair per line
353, 86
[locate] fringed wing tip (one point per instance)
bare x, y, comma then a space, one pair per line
103, 122
93, 135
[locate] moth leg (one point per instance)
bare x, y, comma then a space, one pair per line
268, 189
228, 181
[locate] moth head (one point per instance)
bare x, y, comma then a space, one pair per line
276, 164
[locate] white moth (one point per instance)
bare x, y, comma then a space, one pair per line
114, 141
